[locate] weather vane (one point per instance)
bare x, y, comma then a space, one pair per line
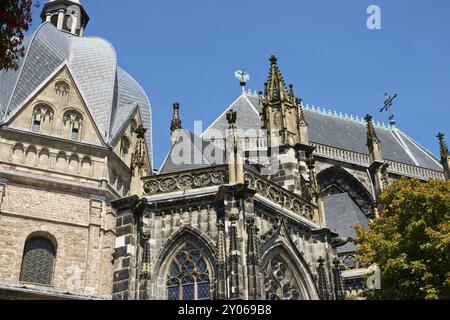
243, 77
387, 107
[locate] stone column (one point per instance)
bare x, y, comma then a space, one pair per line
60, 19
74, 24
2, 192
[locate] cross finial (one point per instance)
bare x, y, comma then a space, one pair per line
388, 103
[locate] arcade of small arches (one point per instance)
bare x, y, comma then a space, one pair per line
45, 158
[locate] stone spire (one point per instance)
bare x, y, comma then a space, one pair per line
66, 15
176, 124
283, 119
445, 155
378, 167
281, 112
234, 156
372, 141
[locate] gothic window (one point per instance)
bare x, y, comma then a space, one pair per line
86, 166
42, 118
124, 148
188, 277
62, 90
73, 123
279, 282
38, 261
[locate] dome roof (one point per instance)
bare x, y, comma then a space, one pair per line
110, 93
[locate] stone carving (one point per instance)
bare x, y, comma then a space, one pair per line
279, 283
196, 179
281, 196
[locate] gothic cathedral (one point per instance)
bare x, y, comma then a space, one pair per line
262, 205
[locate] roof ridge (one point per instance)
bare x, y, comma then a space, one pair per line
344, 116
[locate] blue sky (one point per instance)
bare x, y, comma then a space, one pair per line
187, 51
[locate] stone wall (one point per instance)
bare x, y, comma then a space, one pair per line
81, 225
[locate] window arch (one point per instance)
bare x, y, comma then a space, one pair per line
73, 124
124, 148
188, 277
279, 281
62, 90
38, 261
42, 119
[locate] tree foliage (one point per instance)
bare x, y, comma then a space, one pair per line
410, 242
15, 19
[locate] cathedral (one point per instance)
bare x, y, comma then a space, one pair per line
260, 206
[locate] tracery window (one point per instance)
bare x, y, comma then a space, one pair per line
188, 277
279, 282
38, 261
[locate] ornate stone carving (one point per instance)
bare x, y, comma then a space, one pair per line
281, 196
279, 283
193, 180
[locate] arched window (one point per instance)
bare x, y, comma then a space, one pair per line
124, 148
188, 276
38, 261
42, 119
279, 281
62, 90
73, 123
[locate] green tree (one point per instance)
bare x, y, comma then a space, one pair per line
410, 242
15, 19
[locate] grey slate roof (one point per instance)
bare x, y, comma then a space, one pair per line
191, 152
342, 216
248, 116
336, 131
110, 93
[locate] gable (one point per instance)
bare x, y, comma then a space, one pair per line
58, 109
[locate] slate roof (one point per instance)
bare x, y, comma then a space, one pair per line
191, 152
336, 131
110, 93
342, 215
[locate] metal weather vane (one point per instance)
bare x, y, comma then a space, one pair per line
388, 103
243, 77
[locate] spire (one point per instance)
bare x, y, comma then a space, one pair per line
275, 87
234, 156
445, 155
66, 15
176, 124
372, 136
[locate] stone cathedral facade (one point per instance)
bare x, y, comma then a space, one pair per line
261, 205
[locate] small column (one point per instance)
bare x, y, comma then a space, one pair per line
74, 24
2, 192
445, 155
314, 188
60, 19
48, 17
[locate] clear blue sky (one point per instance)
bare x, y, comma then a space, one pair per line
187, 51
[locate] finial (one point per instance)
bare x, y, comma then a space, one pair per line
273, 59
231, 117
371, 133
176, 120
140, 132
443, 145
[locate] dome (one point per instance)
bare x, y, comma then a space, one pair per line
110, 93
